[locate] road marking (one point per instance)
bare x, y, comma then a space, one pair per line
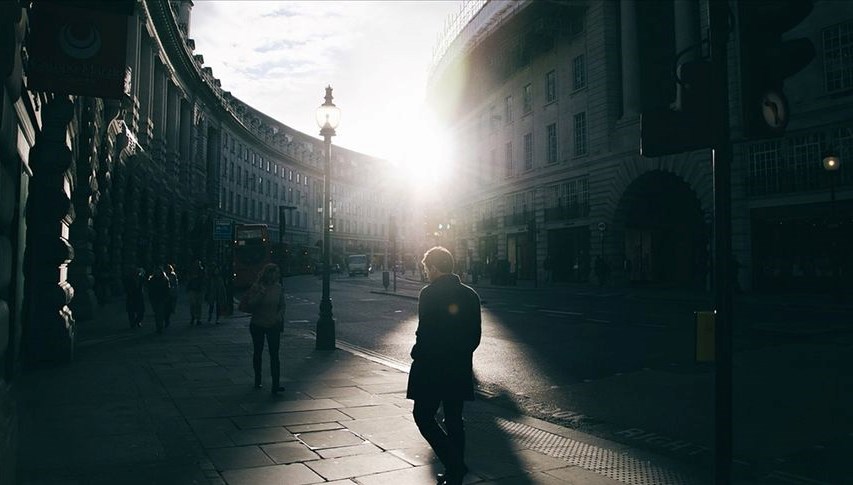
516, 311
560, 312
597, 320
651, 325
369, 299
298, 321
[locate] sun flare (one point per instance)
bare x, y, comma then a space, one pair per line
422, 156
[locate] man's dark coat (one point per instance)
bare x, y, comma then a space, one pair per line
448, 333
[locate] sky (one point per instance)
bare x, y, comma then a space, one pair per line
279, 56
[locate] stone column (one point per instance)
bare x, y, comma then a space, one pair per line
630, 59
85, 198
50, 332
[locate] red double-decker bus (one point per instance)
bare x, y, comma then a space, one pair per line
252, 251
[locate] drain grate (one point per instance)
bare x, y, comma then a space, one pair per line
605, 462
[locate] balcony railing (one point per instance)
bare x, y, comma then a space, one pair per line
563, 213
488, 223
518, 219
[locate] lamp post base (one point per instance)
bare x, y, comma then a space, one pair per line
325, 327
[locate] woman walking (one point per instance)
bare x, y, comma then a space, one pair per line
266, 304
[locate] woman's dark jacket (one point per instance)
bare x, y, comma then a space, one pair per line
448, 333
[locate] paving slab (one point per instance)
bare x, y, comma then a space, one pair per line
238, 457
296, 474
290, 452
287, 419
308, 428
381, 411
257, 436
356, 466
330, 439
362, 449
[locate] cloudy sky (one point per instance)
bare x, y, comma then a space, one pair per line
279, 56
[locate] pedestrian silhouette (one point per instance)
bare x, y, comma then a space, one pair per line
134, 281
173, 292
214, 294
158, 296
195, 287
449, 328
266, 304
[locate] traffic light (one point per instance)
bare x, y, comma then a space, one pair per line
767, 60
686, 125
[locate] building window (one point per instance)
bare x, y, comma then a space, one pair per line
493, 165
765, 160
579, 72
528, 151
838, 56
528, 98
493, 120
508, 159
580, 134
551, 85
508, 109
552, 143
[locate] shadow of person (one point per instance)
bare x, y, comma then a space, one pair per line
492, 452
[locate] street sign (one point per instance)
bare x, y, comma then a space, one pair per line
222, 230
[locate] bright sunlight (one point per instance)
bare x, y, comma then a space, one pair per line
420, 154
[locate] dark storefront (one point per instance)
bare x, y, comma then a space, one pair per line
568, 254
804, 248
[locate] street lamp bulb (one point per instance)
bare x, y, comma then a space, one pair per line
328, 115
831, 162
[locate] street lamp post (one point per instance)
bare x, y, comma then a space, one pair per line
831, 163
328, 116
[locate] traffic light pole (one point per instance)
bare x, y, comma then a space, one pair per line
721, 159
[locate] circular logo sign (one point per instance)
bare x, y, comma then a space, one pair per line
80, 40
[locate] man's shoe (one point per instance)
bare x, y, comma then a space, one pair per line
277, 389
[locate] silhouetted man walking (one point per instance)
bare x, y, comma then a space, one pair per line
448, 333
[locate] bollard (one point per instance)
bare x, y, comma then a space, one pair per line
385, 280
705, 336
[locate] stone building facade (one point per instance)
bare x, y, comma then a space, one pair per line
544, 99
93, 187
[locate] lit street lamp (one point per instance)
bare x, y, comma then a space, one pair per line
328, 116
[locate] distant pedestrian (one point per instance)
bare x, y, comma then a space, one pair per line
195, 288
173, 292
546, 265
602, 270
134, 282
158, 296
449, 329
266, 304
215, 294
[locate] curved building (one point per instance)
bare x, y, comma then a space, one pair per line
119, 149
544, 100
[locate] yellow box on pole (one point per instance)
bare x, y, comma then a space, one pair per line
705, 336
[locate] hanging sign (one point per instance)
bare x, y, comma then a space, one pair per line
77, 49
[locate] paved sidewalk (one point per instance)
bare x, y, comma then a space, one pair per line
179, 408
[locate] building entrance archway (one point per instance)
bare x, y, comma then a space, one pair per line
665, 238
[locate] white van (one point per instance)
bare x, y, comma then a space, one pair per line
358, 264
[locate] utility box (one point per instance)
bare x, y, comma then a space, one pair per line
705, 333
